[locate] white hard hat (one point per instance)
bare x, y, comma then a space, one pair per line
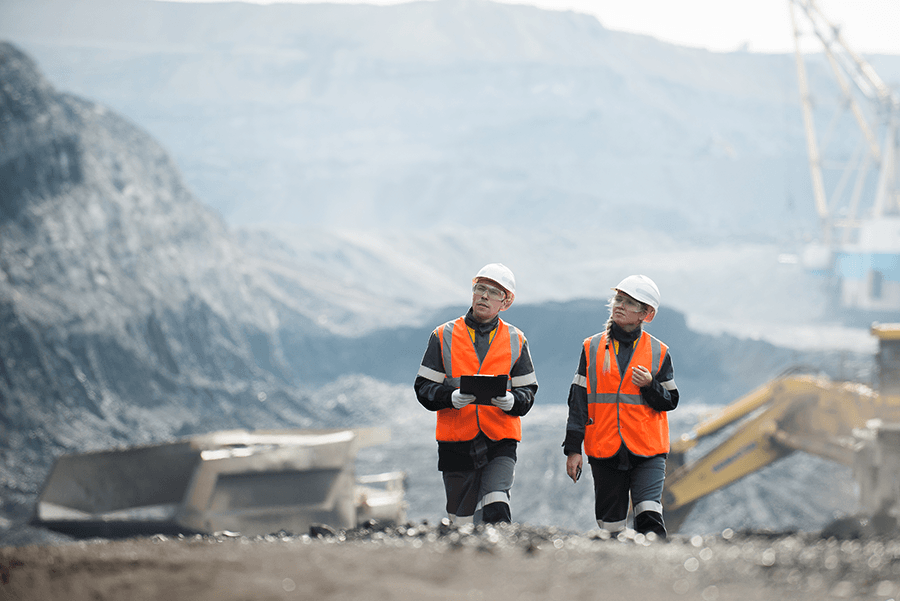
501, 274
641, 288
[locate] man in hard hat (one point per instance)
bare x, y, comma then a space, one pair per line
618, 401
477, 442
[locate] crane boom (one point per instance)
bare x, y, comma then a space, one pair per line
859, 220
812, 145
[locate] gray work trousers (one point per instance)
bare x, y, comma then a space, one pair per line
480, 495
641, 484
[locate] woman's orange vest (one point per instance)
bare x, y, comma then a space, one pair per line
460, 358
617, 412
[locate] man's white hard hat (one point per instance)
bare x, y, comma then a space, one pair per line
643, 289
501, 274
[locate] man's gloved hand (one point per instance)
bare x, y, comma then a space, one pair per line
504, 402
461, 399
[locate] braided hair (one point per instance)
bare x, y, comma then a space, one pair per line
608, 351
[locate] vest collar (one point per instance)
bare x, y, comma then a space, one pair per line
481, 328
627, 337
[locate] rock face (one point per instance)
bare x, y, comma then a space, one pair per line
127, 313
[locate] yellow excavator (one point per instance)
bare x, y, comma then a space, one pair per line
794, 412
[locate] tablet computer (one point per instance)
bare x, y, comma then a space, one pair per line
483, 387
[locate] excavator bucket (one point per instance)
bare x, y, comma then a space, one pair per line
254, 483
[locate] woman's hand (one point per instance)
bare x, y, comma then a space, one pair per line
573, 466
641, 377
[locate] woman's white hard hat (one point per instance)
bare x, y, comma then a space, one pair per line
643, 289
501, 274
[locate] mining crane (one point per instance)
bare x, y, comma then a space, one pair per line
856, 194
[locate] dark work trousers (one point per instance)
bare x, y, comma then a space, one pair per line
480, 495
643, 480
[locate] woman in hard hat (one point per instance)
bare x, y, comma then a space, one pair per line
477, 442
617, 408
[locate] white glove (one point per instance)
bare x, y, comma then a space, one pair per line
504, 402
460, 399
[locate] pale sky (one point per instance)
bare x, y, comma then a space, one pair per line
868, 26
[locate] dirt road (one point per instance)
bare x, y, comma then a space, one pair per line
421, 562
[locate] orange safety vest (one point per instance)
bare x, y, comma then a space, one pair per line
460, 358
617, 412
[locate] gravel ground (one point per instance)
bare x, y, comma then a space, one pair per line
422, 561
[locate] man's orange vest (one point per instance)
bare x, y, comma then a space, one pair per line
616, 409
460, 358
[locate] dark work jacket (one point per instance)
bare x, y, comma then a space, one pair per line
472, 454
655, 395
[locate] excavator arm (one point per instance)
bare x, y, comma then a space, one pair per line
749, 449
790, 413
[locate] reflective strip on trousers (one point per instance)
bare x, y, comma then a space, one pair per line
465, 519
648, 506
492, 497
613, 526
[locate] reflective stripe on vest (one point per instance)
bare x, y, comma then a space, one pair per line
460, 358
616, 409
